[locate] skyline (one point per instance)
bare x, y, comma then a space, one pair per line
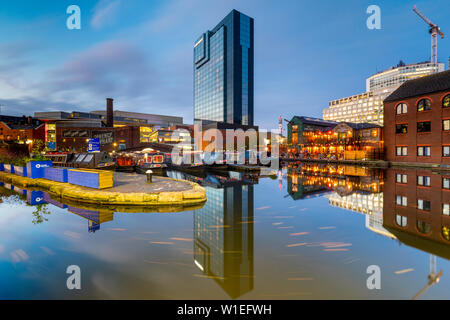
141, 55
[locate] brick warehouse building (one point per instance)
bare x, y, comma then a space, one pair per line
417, 121
416, 209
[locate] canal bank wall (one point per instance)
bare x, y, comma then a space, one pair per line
130, 191
377, 164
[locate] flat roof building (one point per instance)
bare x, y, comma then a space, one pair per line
120, 117
223, 72
368, 106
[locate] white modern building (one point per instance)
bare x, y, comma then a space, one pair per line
371, 205
368, 106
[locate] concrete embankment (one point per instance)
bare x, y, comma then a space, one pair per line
129, 190
365, 163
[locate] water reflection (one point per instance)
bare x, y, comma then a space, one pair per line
223, 231
407, 207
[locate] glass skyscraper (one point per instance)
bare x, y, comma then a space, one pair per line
223, 72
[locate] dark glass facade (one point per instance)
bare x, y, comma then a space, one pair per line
223, 72
223, 238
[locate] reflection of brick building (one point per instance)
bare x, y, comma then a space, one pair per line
417, 202
417, 121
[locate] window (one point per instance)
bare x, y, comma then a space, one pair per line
401, 151
424, 105
424, 205
445, 125
423, 227
446, 209
423, 181
423, 151
424, 126
446, 151
402, 201
401, 178
402, 221
446, 101
401, 108
401, 128
446, 233
446, 183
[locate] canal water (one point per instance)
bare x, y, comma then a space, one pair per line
312, 232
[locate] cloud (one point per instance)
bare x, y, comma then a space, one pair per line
112, 68
27, 105
104, 12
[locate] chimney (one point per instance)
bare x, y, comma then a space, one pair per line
109, 113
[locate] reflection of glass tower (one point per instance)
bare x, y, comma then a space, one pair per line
223, 72
223, 238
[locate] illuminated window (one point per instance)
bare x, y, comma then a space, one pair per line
424, 105
401, 108
446, 101
446, 233
401, 128
445, 125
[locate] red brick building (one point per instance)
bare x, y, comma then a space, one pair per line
416, 208
75, 139
417, 121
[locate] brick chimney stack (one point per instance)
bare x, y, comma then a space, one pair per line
109, 113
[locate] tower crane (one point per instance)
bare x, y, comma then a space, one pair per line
433, 277
434, 31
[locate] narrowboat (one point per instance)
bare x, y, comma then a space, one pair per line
89, 160
125, 162
190, 161
152, 160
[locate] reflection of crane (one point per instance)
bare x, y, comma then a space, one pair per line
433, 277
434, 31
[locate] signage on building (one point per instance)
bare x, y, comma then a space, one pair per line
105, 137
75, 134
51, 145
94, 145
50, 135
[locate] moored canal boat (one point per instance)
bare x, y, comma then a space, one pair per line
152, 160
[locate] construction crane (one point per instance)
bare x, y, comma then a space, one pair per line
434, 31
433, 277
